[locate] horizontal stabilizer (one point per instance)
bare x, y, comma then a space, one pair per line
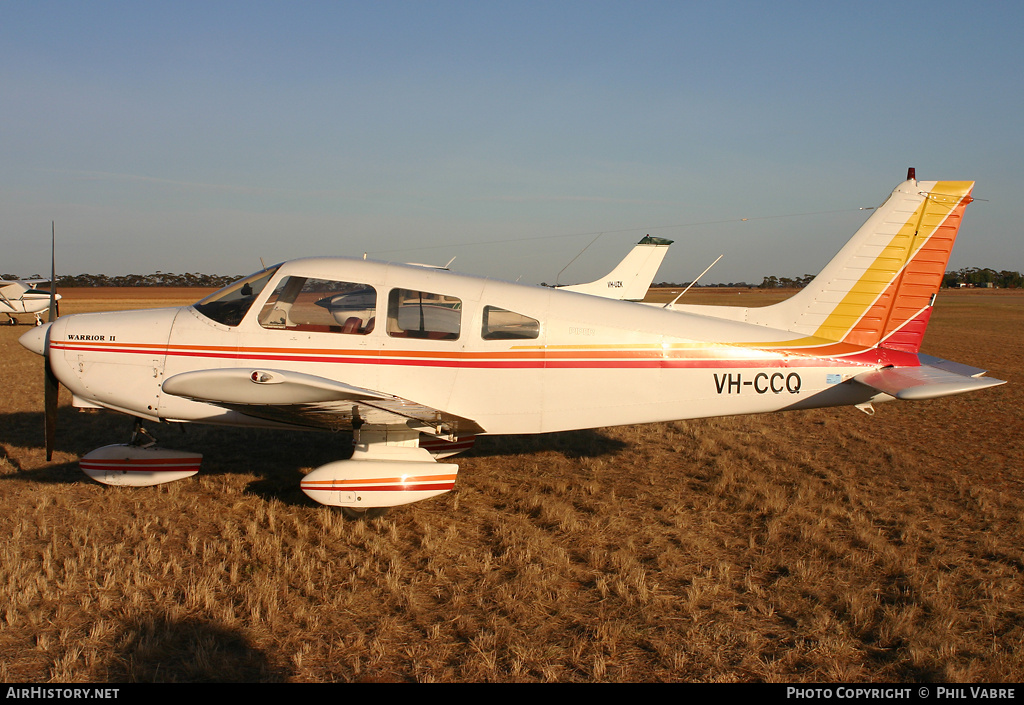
936, 378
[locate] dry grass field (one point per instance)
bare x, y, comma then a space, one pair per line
823, 545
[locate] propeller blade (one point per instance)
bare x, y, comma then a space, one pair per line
51, 387
53, 312
51, 391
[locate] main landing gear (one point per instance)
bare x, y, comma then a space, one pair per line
139, 463
387, 468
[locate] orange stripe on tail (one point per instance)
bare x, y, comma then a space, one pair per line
899, 316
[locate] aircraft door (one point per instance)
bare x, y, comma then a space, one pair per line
500, 382
319, 326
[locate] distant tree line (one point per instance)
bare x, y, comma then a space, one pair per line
972, 276
189, 279
774, 282
968, 276
673, 285
726, 285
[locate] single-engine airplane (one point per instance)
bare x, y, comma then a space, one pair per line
397, 353
19, 297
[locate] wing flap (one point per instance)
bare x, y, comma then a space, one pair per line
936, 378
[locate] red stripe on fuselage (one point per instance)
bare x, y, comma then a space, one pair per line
588, 359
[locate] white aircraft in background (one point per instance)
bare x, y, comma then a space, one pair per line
631, 279
396, 352
19, 297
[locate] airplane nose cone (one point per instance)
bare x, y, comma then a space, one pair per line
35, 339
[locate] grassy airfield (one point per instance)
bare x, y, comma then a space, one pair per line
822, 545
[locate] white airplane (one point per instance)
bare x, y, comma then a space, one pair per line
19, 297
398, 351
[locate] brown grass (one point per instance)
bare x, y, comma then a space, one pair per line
812, 546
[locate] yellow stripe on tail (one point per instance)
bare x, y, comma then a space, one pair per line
879, 289
892, 299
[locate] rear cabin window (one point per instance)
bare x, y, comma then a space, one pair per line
422, 314
321, 306
502, 324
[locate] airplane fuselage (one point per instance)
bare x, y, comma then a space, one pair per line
513, 358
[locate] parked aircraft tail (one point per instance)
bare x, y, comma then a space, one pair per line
632, 277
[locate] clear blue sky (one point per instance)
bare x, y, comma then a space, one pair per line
202, 136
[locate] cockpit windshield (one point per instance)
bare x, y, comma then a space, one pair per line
229, 305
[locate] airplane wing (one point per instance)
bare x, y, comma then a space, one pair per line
12, 289
933, 379
308, 400
34, 283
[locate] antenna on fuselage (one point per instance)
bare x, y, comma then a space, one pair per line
672, 303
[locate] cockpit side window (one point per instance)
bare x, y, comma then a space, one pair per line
501, 324
320, 305
229, 305
420, 314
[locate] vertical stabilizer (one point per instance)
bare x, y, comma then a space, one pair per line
632, 277
880, 288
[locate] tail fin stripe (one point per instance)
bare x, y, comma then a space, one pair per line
902, 278
882, 283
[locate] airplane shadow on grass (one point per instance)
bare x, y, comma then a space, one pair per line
277, 457
159, 649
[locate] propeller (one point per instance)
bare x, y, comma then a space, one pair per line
51, 387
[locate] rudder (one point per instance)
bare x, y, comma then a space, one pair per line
880, 288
